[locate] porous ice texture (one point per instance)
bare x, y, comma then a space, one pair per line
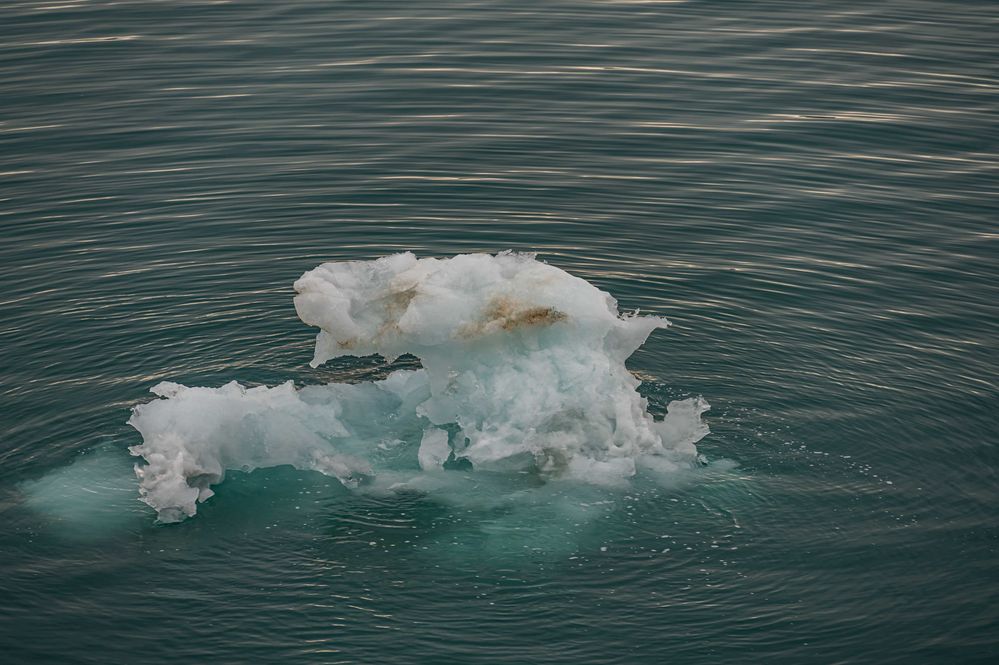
523, 371
194, 435
526, 359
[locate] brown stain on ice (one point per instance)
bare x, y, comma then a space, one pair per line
504, 313
396, 303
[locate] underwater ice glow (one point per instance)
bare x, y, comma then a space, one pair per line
523, 371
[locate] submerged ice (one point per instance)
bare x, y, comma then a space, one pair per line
523, 371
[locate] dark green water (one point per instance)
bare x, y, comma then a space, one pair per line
807, 191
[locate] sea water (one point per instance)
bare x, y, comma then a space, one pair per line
473, 464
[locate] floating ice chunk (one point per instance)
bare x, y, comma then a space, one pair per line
523, 371
194, 435
525, 358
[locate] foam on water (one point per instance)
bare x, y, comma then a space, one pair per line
523, 371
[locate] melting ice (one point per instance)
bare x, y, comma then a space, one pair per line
523, 371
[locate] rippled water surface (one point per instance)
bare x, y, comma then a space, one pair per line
807, 190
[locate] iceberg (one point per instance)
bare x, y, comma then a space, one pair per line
523, 371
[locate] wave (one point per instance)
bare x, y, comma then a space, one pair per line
523, 371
